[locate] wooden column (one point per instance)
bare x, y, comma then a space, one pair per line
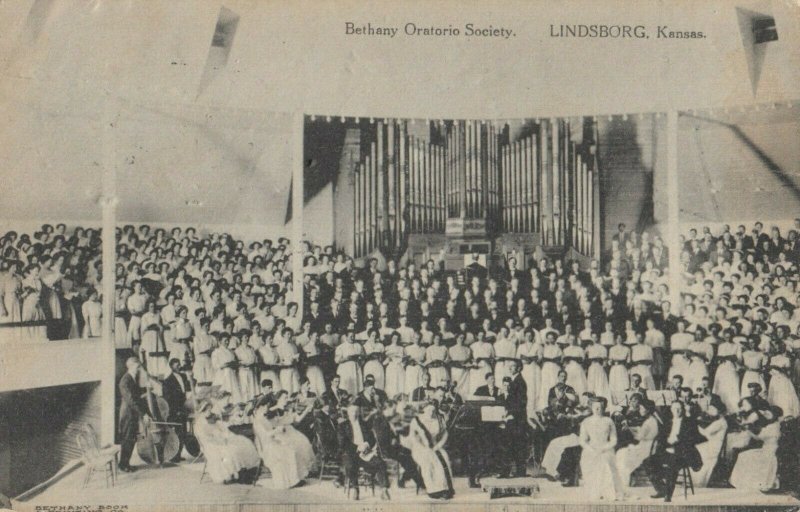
673, 211
108, 203
298, 186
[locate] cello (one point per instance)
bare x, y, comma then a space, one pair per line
157, 442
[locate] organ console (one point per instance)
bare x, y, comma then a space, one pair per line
469, 181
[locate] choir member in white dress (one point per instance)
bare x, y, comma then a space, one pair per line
482, 356
436, 359
374, 353
395, 372
619, 381
225, 367
551, 365
642, 361
726, 378
781, 391
460, 357
203, 346
288, 357
596, 376
679, 344
574, 358
92, 311
348, 356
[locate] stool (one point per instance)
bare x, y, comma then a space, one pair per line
685, 477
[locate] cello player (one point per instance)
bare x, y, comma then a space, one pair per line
132, 408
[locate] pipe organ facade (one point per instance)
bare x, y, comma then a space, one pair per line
470, 186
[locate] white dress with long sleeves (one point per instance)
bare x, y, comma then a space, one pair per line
596, 376
757, 469
395, 373
285, 451
349, 371
781, 391
726, 378
598, 436
709, 450
632, 456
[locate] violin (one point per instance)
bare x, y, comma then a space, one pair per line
157, 441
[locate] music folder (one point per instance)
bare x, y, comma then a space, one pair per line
493, 413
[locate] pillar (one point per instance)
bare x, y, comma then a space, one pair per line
673, 210
298, 187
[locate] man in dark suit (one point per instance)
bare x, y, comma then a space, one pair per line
334, 394
358, 449
389, 445
488, 389
371, 398
516, 404
677, 449
131, 409
475, 268
174, 391
425, 391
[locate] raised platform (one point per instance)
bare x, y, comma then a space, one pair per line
179, 488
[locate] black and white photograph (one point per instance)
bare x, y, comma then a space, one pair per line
312, 255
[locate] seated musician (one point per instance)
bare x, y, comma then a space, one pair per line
385, 426
740, 437
704, 396
562, 394
371, 398
230, 457
489, 389
690, 406
451, 395
266, 395
285, 451
643, 432
675, 384
335, 394
359, 450
627, 417
565, 435
326, 433
636, 385
676, 449
174, 390
425, 391
305, 401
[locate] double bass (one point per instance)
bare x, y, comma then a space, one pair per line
157, 442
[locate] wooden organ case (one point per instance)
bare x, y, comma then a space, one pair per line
457, 188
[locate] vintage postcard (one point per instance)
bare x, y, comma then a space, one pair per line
413, 255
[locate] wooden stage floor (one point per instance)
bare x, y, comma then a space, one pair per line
179, 487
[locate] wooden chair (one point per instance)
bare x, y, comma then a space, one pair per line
325, 459
685, 478
96, 458
364, 480
641, 475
